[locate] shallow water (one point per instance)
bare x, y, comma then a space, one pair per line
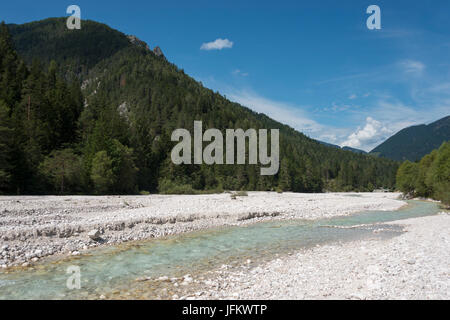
104, 270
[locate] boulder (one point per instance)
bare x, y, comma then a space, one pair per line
94, 234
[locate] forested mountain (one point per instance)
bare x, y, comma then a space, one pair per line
414, 142
93, 110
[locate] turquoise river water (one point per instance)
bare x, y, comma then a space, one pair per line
108, 269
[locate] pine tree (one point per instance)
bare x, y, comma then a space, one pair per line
284, 181
5, 147
101, 173
64, 169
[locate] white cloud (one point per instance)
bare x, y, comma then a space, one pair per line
383, 120
328, 137
217, 44
239, 72
353, 96
280, 111
412, 67
368, 137
338, 108
360, 126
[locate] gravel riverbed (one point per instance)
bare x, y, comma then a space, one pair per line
414, 265
33, 227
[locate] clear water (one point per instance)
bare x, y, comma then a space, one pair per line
106, 269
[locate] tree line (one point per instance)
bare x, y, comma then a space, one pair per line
430, 177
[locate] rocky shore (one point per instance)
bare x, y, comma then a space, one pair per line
414, 265
33, 227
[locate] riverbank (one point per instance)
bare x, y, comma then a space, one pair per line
32, 228
414, 265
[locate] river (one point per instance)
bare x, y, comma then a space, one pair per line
114, 269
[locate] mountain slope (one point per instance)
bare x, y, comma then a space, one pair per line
414, 142
134, 99
75, 51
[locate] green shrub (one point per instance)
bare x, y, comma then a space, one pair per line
169, 187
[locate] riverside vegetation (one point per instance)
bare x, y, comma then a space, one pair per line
430, 177
91, 111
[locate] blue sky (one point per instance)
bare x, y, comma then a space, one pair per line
311, 64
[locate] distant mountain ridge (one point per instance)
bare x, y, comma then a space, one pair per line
354, 150
414, 142
346, 148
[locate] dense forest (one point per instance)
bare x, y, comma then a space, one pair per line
90, 111
428, 178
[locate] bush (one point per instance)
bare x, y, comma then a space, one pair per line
167, 186
406, 177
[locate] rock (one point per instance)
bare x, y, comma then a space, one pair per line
157, 51
186, 280
94, 234
123, 110
143, 279
136, 41
209, 283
